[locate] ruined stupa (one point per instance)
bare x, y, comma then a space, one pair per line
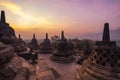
103, 62
45, 46
63, 53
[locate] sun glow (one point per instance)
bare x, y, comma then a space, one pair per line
74, 17
28, 19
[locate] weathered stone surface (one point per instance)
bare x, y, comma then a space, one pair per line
46, 75
6, 73
22, 74
7, 34
66, 71
44, 72
19, 48
6, 53
13, 67
18, 62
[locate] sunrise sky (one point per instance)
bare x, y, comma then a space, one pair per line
75, 17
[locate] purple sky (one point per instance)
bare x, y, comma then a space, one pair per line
75, 17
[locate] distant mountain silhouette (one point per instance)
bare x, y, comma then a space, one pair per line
114, 35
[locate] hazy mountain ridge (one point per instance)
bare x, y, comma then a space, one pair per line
114, 35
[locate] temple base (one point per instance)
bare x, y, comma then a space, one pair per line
62, 58
47, 50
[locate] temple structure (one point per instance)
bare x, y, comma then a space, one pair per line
20, 39
103, 62
34, 43
45, 46
63, 53
7, 35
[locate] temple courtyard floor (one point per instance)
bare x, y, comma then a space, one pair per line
65, 71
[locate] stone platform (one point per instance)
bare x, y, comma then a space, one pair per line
66, 71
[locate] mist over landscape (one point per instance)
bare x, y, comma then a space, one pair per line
114, 34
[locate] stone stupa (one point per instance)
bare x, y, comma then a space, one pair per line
103, 62
45, 46
63, 53
34, 43
20, 39
7, 35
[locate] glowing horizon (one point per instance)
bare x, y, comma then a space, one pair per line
74, 17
